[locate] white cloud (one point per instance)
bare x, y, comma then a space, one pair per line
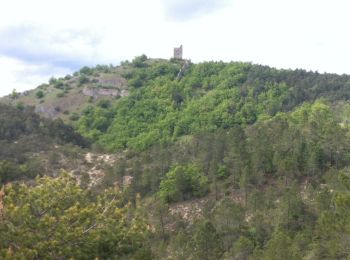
44, 38
22, 76
69, 48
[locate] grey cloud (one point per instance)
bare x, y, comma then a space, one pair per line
182, 10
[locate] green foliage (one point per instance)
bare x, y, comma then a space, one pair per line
24, 134
104, 103
95, 118
14, 94
59, 84
243, 247
210, 96
83, 79
104, 68
39, 94
68, 77
334, 224
279, 247
64, 221
269, 149
20, 106
52, 80
183, 182
139, 61
206, 242
74, 117
86, 70
9, 171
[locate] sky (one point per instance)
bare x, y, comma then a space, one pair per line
44, 38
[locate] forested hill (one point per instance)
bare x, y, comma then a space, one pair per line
147, 101
162, 106
218, 161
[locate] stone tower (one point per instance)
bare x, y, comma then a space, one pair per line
178, 53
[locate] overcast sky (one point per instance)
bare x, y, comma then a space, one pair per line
44, 38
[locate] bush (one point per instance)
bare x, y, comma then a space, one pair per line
52, 80
104, 68
68, 77
183, 182
139, 61
86, 70
20, 106
104, 103
58, 84
14, 94
43, 86
136, 83
83, 79
39, 94
74, 117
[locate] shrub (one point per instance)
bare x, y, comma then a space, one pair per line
43, 86
58, 84
183, 182
39, 94
20, 106
86, 70
104, 68
74, 117
104, 103
136, 83
52, 80
139, 61
83, 79
68, 77
14, 94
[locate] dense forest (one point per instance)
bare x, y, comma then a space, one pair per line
213, 161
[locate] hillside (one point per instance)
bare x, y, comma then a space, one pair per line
221, 161
34, 146
147, 96
65, 97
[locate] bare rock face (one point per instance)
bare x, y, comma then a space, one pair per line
117, 82
47, 111
96, 92
113, 87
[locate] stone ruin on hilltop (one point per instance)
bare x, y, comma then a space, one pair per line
178, 53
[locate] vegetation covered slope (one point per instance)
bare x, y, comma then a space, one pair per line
209, 96
66, 97
222, 161
27, 141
